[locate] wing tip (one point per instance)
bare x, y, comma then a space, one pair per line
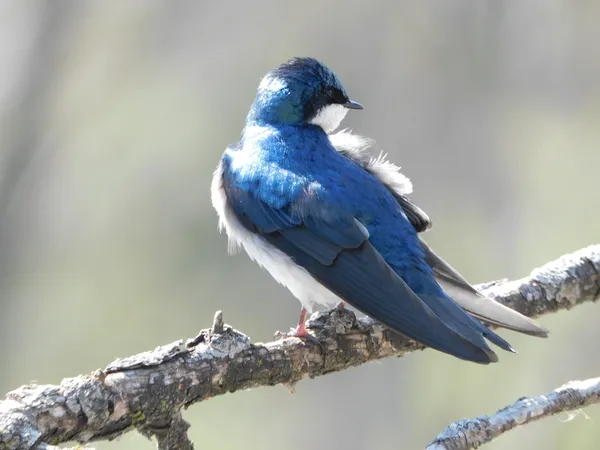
471, 353
493, 356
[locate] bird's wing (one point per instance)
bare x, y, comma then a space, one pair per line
488, 310
355, 148
415, 215
338, 254
478, 305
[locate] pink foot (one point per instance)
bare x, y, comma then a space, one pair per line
300, 331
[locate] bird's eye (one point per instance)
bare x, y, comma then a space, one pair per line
336, 95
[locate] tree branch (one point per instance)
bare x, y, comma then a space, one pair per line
147, 391
471, 433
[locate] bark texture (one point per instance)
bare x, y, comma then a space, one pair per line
472, 433
147, 391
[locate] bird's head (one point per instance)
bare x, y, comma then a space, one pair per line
301, 91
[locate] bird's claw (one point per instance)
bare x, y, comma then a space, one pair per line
300, 333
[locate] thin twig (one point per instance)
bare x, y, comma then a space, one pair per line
472, 433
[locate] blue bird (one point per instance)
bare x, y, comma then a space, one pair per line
334, 224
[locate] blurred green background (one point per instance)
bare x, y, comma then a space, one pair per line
113, 116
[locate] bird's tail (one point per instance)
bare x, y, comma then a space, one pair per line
475, 303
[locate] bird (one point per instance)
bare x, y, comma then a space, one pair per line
334, 223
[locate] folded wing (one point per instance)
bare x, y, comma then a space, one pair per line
453, 283
338, 254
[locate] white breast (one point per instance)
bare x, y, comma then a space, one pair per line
281, 267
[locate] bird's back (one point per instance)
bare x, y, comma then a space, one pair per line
298, 167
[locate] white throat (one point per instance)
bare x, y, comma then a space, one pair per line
329, 117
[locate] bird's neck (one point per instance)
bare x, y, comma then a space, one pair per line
286, 141
275, 110
283, 132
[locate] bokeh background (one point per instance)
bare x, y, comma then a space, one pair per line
113, 116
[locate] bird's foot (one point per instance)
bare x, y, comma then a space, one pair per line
300, 332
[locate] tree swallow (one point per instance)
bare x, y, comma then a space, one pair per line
334, 224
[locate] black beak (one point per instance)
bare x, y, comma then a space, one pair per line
352, 105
